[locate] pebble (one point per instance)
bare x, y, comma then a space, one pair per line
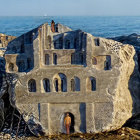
8, 136
122, 134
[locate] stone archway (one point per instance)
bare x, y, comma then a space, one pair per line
63, 129
60, 83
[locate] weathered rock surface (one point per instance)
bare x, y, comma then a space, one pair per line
133, 39
4, 40
134, 83
61, 28
103, 105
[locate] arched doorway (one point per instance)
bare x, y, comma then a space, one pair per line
63, 129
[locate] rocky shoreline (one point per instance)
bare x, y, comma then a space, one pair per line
124, 133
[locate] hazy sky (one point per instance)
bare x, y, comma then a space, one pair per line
69, 7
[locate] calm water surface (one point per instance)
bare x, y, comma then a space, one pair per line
97, 26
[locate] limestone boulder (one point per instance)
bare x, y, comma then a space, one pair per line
113, 104
134, 82
106, 70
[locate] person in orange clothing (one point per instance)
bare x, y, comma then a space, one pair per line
67, 123
53, 26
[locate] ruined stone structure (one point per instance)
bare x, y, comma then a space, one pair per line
5, 39
70, 71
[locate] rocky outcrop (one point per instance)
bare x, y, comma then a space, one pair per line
107, 108
4, 40
134, 82
133, 39
104, 100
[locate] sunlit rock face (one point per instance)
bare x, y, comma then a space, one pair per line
69, 71
134, 82
4, 40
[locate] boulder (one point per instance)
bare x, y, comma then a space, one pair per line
106, 71
134, 82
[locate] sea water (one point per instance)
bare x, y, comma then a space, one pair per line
107, 26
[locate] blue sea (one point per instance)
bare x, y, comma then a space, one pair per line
107, 26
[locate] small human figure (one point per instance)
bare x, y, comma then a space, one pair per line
67, 123
53, 26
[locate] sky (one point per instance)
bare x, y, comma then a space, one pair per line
70, 7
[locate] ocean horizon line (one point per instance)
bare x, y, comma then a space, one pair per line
69, 15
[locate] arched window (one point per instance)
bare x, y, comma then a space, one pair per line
60, 83
63, 82
11, 67
91, 84
49, 42
75, 84
107, 63
46, 84
67, 44
32, 85
21, 66
94, 61
73, 58
55, 59
47, 59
